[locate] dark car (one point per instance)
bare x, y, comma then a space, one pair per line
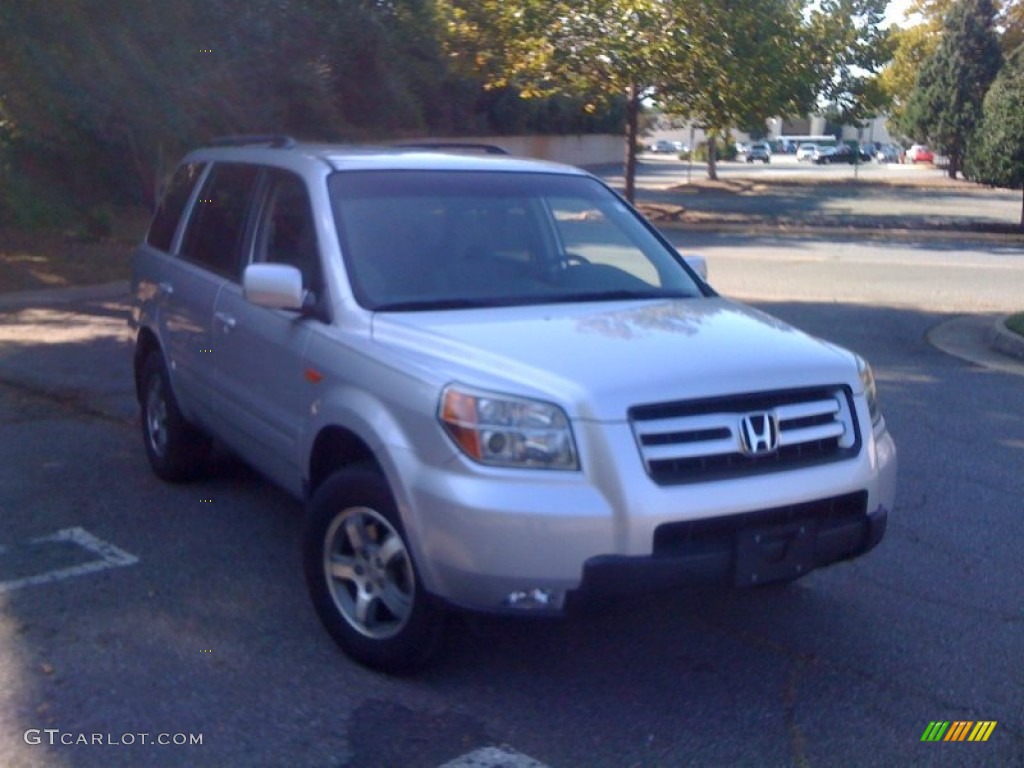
842, 154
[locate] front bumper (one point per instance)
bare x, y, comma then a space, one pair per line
481, 535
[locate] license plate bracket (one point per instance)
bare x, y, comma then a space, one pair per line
769, 553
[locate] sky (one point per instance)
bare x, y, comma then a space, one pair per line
894, 13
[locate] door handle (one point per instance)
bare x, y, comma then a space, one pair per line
166, 289
226, 320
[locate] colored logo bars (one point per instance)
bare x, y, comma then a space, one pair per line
958, 730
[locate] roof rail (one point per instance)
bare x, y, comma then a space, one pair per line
465, 146
275, 140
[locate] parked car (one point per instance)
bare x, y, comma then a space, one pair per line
822, 155
663, 147
494, 384
757, 151
842, 154
919, 153
889, 153
806, 151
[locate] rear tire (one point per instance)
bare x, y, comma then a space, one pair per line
361, 576
176, 450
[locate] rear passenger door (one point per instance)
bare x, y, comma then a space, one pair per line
260, 351
209, 256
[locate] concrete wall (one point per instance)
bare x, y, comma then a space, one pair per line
590, 149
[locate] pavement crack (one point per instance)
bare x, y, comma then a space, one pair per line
797, 743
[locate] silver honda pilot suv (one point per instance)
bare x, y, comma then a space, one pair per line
495, 385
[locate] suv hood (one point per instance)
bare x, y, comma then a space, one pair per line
597, 360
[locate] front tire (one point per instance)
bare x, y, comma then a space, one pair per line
361, 576
176, 450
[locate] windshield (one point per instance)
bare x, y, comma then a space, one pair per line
450, 239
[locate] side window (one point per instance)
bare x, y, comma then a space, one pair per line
217, 227
165, 222
286, 234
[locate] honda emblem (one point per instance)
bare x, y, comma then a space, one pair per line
759, 433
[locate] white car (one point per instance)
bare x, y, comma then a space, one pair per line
806, 152
496, 386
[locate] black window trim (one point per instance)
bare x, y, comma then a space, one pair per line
244, 256
261, 201
186, 212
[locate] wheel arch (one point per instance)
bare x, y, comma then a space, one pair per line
335, 448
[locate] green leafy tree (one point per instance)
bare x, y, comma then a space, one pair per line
737, 64
946, 103
996, 153
601, 50
749, 60
850, 48
913, 42
911, 47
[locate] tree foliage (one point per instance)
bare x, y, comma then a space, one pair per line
743, 62
97, 99
852, 50
946, 102
722, 63
912, 46
996, 155
602, 50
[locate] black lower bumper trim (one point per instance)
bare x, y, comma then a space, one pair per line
745, 550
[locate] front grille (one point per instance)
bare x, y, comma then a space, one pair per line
697, 440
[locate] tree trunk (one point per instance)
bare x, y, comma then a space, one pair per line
712, 139
632, 129
1022, 208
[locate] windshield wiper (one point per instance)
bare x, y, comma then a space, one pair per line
425, 305
616, 295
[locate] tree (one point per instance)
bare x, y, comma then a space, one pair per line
851, 50
600, 49
946, 102
90, 92
996, 153
912, 45
737, 64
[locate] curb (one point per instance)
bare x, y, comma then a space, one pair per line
1006, 341
57, 296
810, 230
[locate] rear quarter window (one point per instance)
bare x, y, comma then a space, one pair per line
165, 222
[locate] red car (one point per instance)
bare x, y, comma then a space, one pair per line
919, 154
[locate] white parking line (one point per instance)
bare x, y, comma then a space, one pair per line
110, 557
493, 757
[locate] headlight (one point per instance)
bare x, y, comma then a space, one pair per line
507, 431
867, 381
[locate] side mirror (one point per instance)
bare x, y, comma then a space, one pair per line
698, 264
277, 286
